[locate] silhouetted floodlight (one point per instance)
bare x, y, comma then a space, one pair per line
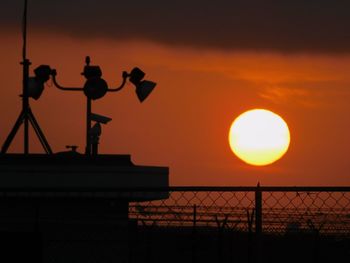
143, 87
95, 88
36, 84
42, 73
136, 75
35, 88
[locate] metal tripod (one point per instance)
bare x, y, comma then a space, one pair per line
26, 114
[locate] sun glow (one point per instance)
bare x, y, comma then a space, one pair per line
259, 137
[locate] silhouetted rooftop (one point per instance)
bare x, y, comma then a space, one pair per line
69, 172
66, 158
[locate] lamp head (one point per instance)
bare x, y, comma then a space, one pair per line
42, 73
136, 75
35, 88
36, 84
143, 87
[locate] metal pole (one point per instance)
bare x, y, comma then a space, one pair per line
25, 63
25, 104
88, 127
258, 222
194, 235
94, 144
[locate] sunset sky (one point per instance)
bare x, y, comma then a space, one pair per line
212, 61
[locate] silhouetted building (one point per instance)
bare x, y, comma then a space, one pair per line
72, 208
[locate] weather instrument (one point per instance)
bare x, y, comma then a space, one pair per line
95, 87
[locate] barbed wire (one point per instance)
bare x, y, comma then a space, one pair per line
327, 212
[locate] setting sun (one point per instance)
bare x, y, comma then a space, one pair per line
259, 137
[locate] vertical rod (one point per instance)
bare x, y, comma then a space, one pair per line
258, 222
25, 63
194, 217
88, 126
194, 235
24, 30
25, 104
258, 210
94, 147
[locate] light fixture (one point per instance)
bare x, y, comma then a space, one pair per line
36, 84
32, 87
143, 87
42, 73
96, 87
35, 88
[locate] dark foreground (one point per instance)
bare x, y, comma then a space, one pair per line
211, 245
157, 244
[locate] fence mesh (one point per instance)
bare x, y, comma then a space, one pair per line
325, 212
192, 224
283, 210
204, 208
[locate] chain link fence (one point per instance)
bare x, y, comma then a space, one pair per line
185, 224
281, 209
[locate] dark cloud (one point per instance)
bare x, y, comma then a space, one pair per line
321, 26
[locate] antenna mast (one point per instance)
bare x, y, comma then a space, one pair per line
26, 114
25, 63
24, 30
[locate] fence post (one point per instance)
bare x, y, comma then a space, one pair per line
258, 223
194, 235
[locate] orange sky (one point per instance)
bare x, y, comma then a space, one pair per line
184, 124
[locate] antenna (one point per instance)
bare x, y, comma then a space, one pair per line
24, 30
25, 63
26, 114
